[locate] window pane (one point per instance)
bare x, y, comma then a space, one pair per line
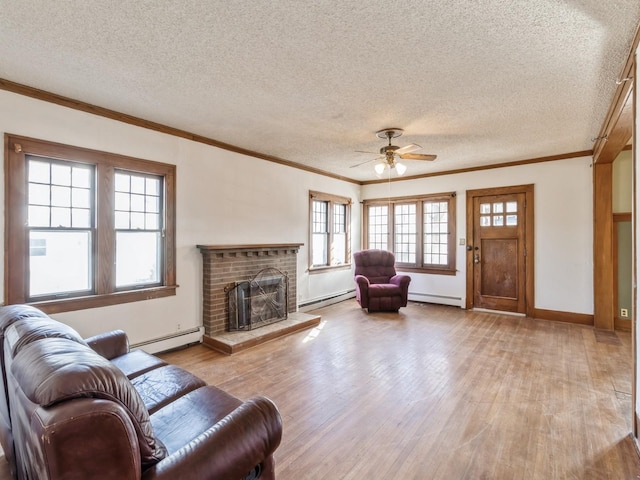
60, 217
152, 204
512, 220
153, 186
512, 207
498, 207
319, 249
122, 220
60, 174
123, 182
60, 196
81, 197
137, 203
39, 172
61, 263
122, 201
378, 227
339, 249
320, 210
81, 176
406, 232
151, 221
137, 184
498, 220
137, 258
39, 194
39, 216
80, 218
485, 221
435, 243
137, 221
485, 208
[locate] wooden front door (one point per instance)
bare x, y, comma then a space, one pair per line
497, 249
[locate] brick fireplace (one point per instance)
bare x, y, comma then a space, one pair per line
224, 265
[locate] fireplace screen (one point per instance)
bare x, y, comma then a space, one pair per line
259, 301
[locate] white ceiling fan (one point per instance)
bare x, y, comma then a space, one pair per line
389, 152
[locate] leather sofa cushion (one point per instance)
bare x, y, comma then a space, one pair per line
26, 331
137, 362
53, 370
163, 385
203, 407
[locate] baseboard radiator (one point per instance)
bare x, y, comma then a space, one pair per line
170, 341
326, 300
441, 299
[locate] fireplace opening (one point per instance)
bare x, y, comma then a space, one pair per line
259, 301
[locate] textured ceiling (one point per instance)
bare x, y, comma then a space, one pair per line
475, 82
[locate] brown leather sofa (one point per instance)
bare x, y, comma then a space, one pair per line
93, 409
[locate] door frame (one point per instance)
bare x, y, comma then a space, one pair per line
529, 262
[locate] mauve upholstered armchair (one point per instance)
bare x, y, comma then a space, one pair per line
378, 288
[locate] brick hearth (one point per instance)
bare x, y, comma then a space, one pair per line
223, 265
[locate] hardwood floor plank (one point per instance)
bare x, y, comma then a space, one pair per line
436, 392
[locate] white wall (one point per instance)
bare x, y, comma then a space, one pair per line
228, 198
222, 198
563, 196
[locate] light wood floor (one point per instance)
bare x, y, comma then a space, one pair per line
439, 393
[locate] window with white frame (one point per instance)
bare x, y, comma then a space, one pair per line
330, 230
420, 231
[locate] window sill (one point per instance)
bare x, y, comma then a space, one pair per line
95, 301
331, 268
431, 271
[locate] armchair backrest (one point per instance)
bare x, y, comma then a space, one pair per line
377, 265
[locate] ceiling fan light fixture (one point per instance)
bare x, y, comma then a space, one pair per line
379, 168
400, 168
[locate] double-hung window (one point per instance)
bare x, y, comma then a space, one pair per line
420, 231
330, 230
86, 228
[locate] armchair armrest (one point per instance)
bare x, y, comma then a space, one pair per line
403, 282
400, 280
109, 344
229, 449
362, 290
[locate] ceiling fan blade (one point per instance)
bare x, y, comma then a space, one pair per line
366, 161
364, 151
408, 148
417, 156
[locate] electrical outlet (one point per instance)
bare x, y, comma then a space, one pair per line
624, 313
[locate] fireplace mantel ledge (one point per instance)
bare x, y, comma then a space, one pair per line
266, 247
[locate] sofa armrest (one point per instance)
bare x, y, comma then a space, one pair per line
109, 344
229, 449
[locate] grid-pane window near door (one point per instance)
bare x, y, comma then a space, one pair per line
436, 232
378, 227
405, 232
